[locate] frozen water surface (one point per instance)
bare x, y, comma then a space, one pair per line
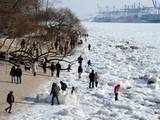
120, 53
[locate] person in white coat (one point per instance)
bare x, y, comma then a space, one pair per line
35, 68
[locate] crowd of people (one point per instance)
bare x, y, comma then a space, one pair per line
16, 76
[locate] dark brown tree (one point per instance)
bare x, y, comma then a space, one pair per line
34, 33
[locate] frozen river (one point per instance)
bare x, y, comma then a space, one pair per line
120, 53
148, 34
146, 37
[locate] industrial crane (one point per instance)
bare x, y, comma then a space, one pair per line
156, 5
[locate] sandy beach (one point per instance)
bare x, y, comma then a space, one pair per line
28, 87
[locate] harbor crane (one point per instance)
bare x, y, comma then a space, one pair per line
156, 5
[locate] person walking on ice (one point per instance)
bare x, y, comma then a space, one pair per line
10, 101
116, 91
80, 59
54, 92
96, 77
89, 63
80, 70
89, 46
69, 67
72, 90
91, 77
63, 86
58, 68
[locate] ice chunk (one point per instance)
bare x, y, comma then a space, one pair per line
65, 97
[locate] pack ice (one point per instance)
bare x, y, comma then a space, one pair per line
127, 54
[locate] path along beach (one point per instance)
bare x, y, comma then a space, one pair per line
28, 87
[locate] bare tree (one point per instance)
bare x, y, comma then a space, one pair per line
35, 32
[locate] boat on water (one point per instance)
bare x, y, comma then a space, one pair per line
101, 18
131, 14
151, 18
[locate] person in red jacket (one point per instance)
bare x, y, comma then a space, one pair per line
10, 101
116, 91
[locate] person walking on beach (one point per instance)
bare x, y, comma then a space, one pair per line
10, 101
61, 49
54, 92
35, 68
89, 46
96, 77
58, 68
56, 45
44, 66
116, 91
19, 75
80, 70
63, 86
91, 77
53, 67
80, 59
13, 74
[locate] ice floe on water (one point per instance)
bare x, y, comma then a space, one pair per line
127, 56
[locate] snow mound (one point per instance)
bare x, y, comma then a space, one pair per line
64, 98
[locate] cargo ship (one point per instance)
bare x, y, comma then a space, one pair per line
131, 14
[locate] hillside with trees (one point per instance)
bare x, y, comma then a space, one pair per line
30, 31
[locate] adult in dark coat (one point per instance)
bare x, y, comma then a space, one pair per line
54, 92
91, 77
58, 68
56, 45
44, 67
72, 90
89, 63
69, 67
13, 74
19, 75
63, 86
53, 67
89, 47
80, 59
10, 101
80, 70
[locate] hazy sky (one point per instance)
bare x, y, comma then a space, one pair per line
83, 8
